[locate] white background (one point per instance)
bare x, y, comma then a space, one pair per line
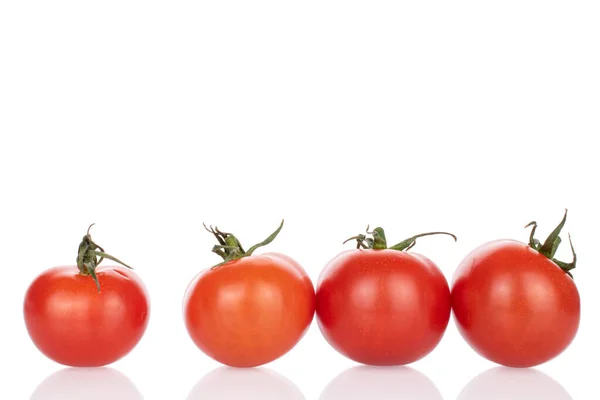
151, 117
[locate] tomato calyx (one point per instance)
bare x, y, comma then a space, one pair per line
230, 248
376, 240
550, 245
90, 255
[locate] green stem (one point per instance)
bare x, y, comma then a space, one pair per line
410, 242
230, 248
90, 255
551, 244
377, 240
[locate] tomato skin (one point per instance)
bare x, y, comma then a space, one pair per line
250, 311
513, 305
74, 325
382, 307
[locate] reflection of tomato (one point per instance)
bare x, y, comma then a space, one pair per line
500, 383
87, 383
514, 303
250, 309
382, 306
392, 383
77, 323
233, 383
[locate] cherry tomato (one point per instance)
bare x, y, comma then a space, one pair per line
86, 315
383, 306
250, 309
514, 303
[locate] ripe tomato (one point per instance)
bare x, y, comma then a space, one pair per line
514, 303
86, 315
383, 306
250, 309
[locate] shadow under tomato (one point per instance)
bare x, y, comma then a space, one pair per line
502, 383
226, 383
87, 383
381, 383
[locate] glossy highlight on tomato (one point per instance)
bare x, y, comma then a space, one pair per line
86, 315
383, 306
514, 303
250, 309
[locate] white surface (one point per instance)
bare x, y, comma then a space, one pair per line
149, 118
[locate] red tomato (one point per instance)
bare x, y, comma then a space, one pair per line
250, 309
514, 303
86, 315
383, 306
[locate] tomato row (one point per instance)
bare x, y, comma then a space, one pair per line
513, 302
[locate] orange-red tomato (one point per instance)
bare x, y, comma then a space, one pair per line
513, 304
74, 322
381, 306
75, 325
251, 310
